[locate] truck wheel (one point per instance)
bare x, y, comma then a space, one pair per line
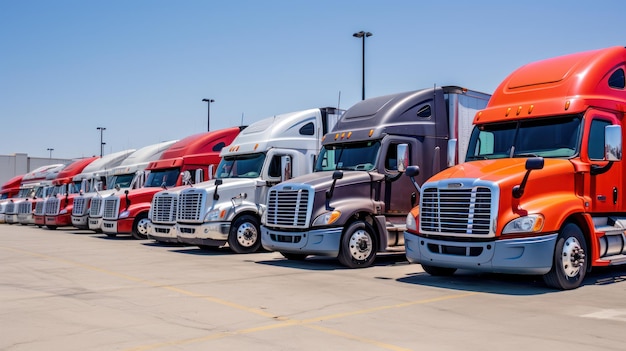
569, 264
438, 271
52, 227
244, 236
294, 256
140, 227
358, 246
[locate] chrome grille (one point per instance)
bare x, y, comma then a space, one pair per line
288, 207
95, 210
51, 206
39, 208
10, 208
456, 211
80, 206
25, 207
163, 208
190, 205
111, 206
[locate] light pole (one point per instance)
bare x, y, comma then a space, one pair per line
363, 35
208, 114
102, 143
50, 150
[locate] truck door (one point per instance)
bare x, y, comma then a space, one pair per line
396, 190
605, 181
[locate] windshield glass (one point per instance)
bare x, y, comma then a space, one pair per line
123, 180
240, 166
357, 156
159, 176
24, 192
546, 137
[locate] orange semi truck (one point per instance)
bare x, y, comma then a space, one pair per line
542, 189
128, 213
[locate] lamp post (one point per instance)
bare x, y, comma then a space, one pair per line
363, 35
101, 129
208, 115
50, 150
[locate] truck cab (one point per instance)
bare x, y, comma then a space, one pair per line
127, 213
542, 189
129, 174
355, 203
228, 209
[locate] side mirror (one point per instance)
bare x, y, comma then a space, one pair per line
285, 168
613, 143
211, 170
186, 178
199, 177
402, 160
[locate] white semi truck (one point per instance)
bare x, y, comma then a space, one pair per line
129, 174
228, 209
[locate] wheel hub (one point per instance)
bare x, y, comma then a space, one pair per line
573, 257
360, 245
247, 235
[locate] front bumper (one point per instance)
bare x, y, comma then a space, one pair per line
211, 233
162, 232
95, 224
323, 242
58, 220
80, 221
120, 226
516, 256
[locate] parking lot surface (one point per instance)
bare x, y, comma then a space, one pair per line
75, 290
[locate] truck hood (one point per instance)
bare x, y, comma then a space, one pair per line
323, 180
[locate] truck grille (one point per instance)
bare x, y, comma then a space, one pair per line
164, 208
289, 207
80, 206
51, 206
39, 208
10, 208
456, 211
25, 207
111, 206
191, 203
95, 210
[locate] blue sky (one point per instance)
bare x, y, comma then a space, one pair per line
140, 68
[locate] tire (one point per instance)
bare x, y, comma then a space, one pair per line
52, 227
569, 264
245, 235
111, 235
294, 256
358, 246
438, 271
140, 227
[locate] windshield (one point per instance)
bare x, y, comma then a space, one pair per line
123, 180
157, 177
240, 166
546, 137
358, 156
25, 192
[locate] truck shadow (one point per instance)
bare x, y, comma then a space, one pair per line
320, 263
508, 284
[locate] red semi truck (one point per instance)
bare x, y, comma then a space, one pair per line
128, 213
542, 190
62, 188
9, 190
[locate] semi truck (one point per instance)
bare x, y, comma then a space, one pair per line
61, 187
33, 183
355, 203
92, 178
228, 209
542, 189
127, 213
9, 190
130, 174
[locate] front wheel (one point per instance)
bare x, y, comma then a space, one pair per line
245, 235
569, 264
358, 246
140, 227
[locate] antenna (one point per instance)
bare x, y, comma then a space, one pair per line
339, 100
241, 119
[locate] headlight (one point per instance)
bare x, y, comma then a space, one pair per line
411, 223
526, 224
327, 218
124, 214
215, 215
